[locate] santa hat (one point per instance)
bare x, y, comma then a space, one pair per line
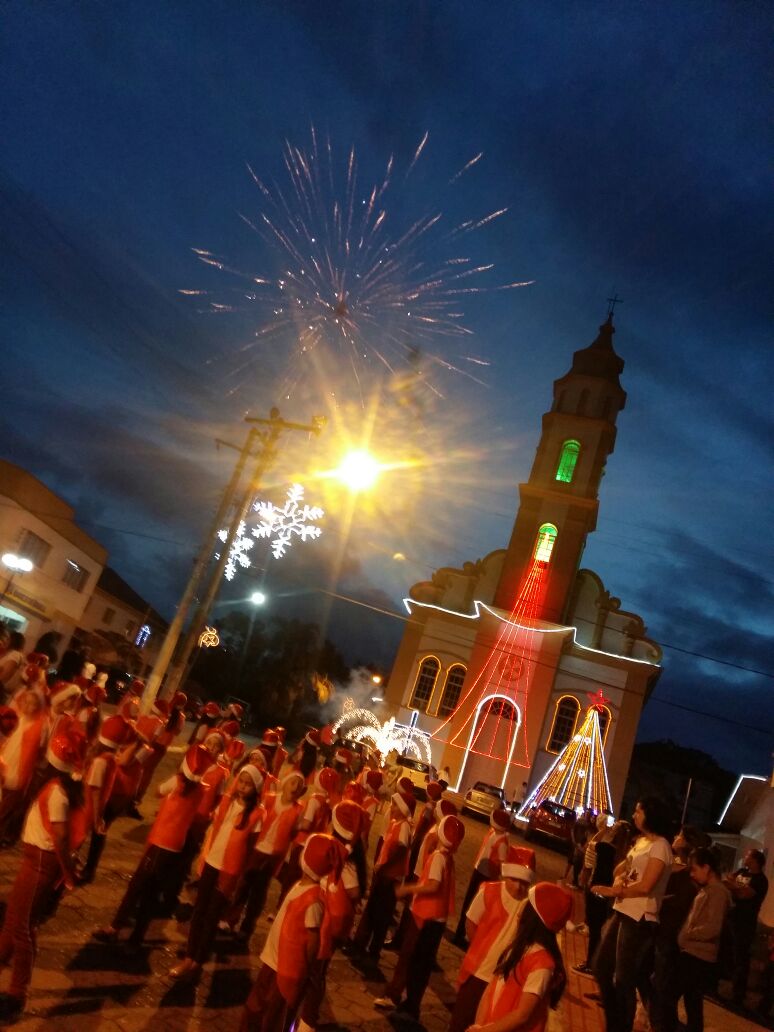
326, 779
236, 749
270, 738
552, 904
88, 670
95, 693
451, 831
129, 706
405, 803
116, 731
67, 749
406, 785
374, 780
434, 791
230, 728
38, 659
179, 700
196, 762
444, 808
218, 734
9, 720
343, 756
312, 737
354, 792
322, 855
62, 691
501, 820
280, 733
236, 709
258, 759
519, 863
211, 709
161, 708
255, 775
347, 820
136, 686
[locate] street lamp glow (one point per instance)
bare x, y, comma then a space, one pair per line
358, 470
17, 562
257, 598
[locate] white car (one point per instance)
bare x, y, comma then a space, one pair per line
418, 772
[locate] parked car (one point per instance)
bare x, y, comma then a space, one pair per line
418, 772
483, 798
551, 819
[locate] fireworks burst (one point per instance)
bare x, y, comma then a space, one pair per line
350, 281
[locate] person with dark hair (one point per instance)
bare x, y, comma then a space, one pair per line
748, 887
530, 976
608, 851
622, 962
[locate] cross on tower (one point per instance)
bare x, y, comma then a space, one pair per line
613, 301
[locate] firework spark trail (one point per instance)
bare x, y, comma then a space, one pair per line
349, 278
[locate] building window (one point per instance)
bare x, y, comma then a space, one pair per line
75, 576
426, 678
563, 727
142, 636
501, 708
546, 540
107, 616
34, 548
451, 690
568, 460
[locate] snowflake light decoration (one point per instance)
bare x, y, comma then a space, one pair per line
292, 519
240, 546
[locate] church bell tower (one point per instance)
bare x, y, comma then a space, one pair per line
559, 503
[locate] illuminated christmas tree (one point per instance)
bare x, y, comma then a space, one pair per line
578, 778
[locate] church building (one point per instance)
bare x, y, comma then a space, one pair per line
500, 660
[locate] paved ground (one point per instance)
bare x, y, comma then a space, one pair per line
82, 986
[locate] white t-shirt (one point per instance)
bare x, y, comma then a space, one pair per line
537, 982
34, 833
644, 849
312, 919
266, 844
504, 938
348, 877
217, 851
97, 770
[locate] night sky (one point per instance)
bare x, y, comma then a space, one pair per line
631, 146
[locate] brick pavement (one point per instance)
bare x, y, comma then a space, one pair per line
83, 986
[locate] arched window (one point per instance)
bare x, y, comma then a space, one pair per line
605, 720
451, 690
501, 708
563, 727
583, 401
544, 545
425, 683
568, 460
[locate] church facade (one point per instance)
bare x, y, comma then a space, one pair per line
500, 659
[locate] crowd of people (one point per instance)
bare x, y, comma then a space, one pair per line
233, 821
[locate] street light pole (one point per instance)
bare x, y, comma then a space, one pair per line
276, 426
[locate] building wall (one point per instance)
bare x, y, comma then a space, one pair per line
106, 615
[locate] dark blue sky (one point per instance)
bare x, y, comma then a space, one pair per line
631, 145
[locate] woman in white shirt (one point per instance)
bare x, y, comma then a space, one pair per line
622, 962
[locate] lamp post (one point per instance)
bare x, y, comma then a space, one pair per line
16, 564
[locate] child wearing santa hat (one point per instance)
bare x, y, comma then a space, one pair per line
213, 788
171, 718
432, 900
231, 838
20, 755
490, 923
293, 942
372, 782
52, 833
486, 866
530, 977
281, 755
159, 864
314, 818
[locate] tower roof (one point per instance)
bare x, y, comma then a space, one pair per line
599, 358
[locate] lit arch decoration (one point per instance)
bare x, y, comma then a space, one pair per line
568, 460
544, 545
571, 712
515, 723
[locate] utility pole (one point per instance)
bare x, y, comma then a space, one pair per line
276, 426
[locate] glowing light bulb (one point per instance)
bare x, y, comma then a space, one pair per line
358, 470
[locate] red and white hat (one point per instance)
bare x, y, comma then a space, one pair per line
343, 756
519, 863
230, 728
347, 820
61, 691
217, 733
270, 738
451, 831
236, 710
444, 808
236, 749
116, 731
405, 785
354, 792
161, 707
210, 709
406, 803
326, 779
312, 737
179, 700
67, 749
136, 686
38, 659
322, 855
257, 758
196, 762
552, 904
501, 819
256, 775
374, 780
9, 720
129, 706
434, 791
96, 693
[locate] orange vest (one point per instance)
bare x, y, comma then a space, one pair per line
338, 918
30, 749
76, 818
212, 790
174, 819
235, 854
124, 788
491, 924
293, 966
435, 906
285, 823
148, 727
392, 862
490, 1009
489, 849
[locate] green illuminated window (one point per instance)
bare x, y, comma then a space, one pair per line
546, 540
568, 460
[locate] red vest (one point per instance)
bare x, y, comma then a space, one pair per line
435, 906
174, 818
30, 748
490, 847
212, 785
280, 756
286, 821
240, 839
393, 860
319, 821
494, 918
510, 994
292, 966
338, 918
149, 727
76, 818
